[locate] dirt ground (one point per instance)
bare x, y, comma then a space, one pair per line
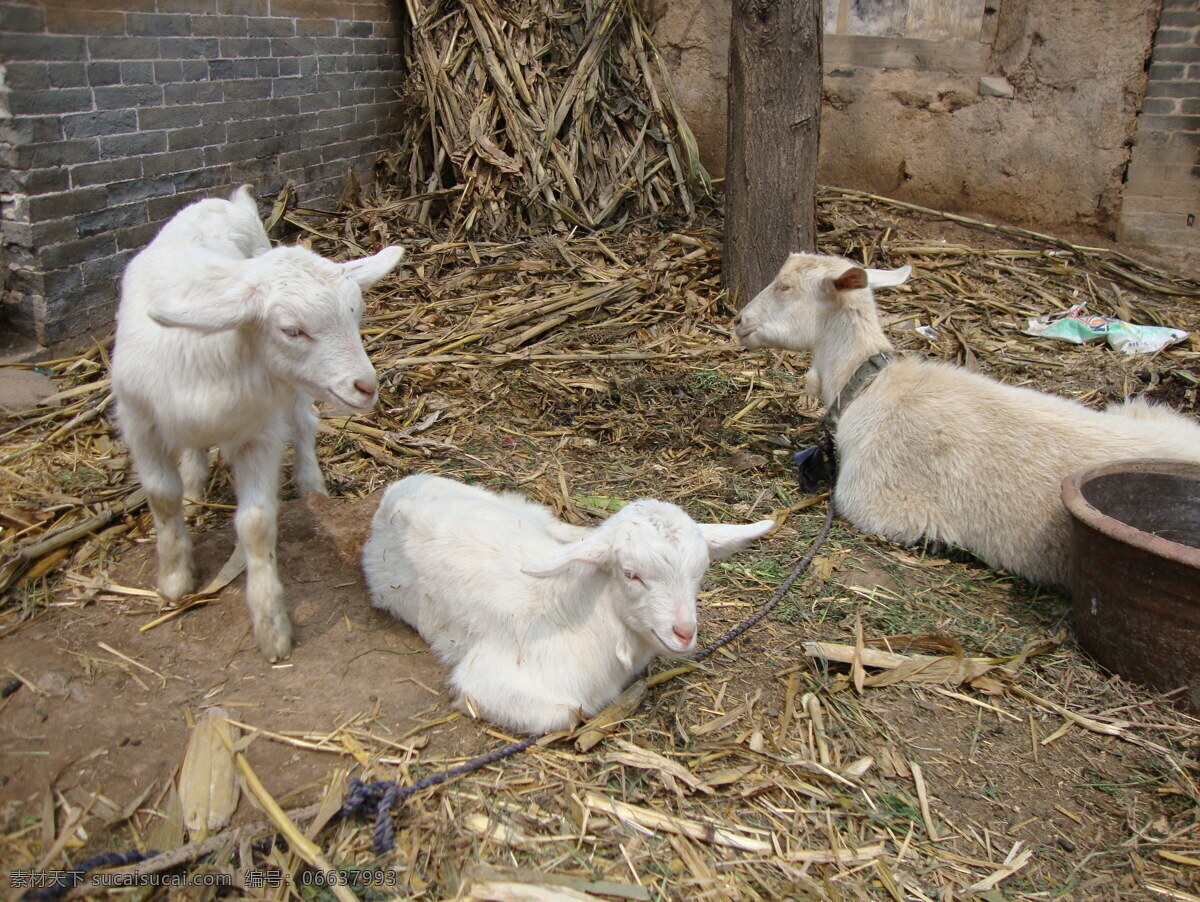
101, 706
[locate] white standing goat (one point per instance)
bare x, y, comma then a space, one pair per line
931, 451
222, 340
540, 621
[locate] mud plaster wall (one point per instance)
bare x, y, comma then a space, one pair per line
1054, 153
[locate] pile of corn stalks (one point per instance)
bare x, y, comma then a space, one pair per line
540, 113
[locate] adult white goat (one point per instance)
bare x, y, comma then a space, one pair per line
222, 340
538, 620
931, 451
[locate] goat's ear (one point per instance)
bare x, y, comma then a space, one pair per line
244, 199
369, 270
888, 278
590, 550
853, 278
723, 539
218, 308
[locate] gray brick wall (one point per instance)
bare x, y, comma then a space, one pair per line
1161, 207
116, 113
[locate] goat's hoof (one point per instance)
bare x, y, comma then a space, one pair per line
308, 486
274, 638
173, 586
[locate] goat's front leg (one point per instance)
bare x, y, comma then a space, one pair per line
256, 477
164, 490
302, 426
812, 383
193, 466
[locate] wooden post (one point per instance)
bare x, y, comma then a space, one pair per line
771, 152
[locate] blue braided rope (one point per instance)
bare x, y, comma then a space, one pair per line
377, 799
72, 877
762, 612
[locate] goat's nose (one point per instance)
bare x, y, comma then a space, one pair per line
737, 320
367, 386
685, 634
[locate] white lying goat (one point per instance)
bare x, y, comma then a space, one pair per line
539, 620
222, 340
931, 451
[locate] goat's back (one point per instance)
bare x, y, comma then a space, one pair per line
1141, 409
932, 451
229, 227
446, 558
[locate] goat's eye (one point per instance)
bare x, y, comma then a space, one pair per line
295, 332
629, 574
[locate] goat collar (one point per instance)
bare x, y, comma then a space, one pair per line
863, 376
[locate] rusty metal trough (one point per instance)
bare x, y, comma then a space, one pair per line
1135, 570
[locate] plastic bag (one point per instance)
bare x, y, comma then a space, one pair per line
1077, 326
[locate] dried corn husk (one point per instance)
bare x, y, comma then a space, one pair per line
208, 784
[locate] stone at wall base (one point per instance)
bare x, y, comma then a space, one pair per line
23, 389
996, 86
